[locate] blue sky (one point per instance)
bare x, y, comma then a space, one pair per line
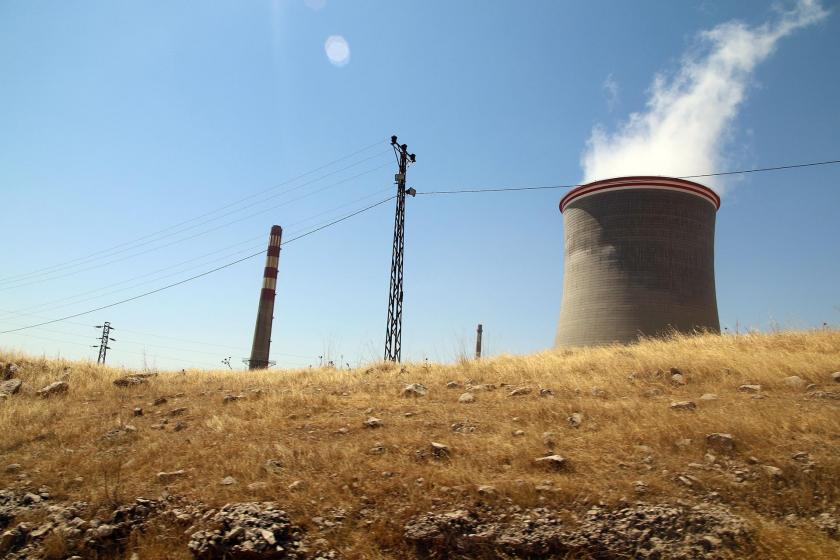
118, 120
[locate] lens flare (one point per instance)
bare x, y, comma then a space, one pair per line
337, 49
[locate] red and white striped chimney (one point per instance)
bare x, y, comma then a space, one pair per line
265, 311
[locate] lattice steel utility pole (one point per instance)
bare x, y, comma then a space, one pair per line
393, 333
103, 341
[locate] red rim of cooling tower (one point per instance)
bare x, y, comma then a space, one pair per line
641, 182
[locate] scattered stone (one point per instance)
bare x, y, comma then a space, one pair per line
463, 427
708, 397
828, 523
640, 531
273, 466
641, 487
599, 393
546, 392
652, 392
159, 401
466, 398
167, 477
677, 378
415, 390
519, 433
519, 391
549, 438
687, 480
721, 442
486, 490
682, 442
177, 411
55, 388
709, 458
753, 460
833, 395
248, 530
8, 370
258, 486
342, 431
774, 472
138, 411
180, 426
297, 485
750, 388
228, 481
710, 542
454, 385
231, 398
552, 461
13, 468
794, 381
575, 420
440, 450
129, 381
373, 422
683, 405
11, 386
836, 376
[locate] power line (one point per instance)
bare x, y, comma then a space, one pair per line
571, 186
51, 304
191, 278
88, 257
175, 242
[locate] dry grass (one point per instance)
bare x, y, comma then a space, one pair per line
297, 417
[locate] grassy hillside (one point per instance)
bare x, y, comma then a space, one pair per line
299, 438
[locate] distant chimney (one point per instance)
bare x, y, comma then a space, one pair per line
265, 311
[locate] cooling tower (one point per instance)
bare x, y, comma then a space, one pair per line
639, 260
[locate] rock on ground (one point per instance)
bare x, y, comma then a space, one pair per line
552, 461
640, 531
8, 370
248, 530
55, 388
10, 387
794, 381
373, 422
683, 405
415, 390
721, 442
172, 476
129, 381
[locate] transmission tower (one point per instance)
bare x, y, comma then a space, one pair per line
103, 341
393, 333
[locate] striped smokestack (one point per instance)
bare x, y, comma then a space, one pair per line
265, 311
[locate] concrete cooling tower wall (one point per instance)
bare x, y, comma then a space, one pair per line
639, 260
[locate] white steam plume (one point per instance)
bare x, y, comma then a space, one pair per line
682, 129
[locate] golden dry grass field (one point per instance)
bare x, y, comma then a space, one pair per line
630, 444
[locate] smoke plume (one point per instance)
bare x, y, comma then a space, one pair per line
687, 116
